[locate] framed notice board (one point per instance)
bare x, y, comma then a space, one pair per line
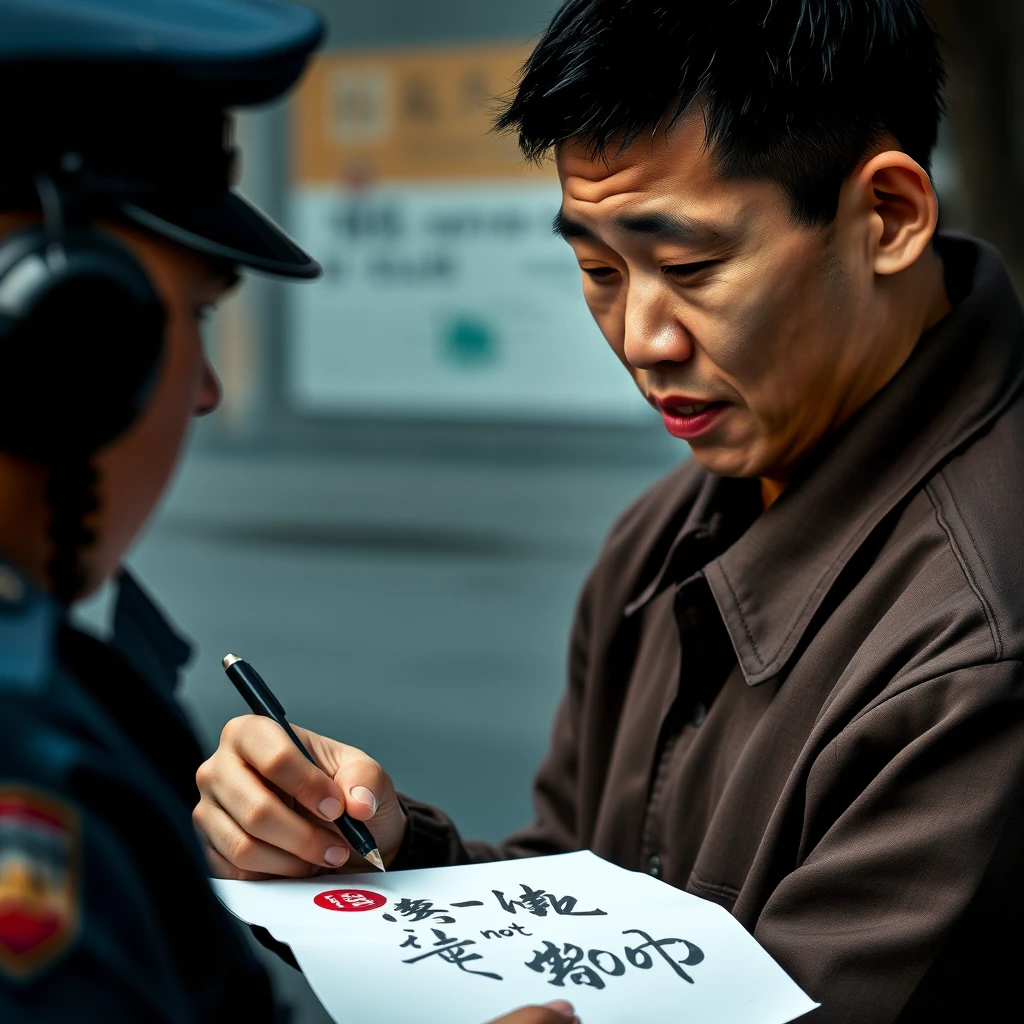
445, 293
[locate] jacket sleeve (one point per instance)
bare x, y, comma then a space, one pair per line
109, 908
432, 839
909, 872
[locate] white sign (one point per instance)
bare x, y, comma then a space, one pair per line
463, 945
447, 300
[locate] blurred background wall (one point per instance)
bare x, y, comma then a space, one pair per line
983, 152
417, 456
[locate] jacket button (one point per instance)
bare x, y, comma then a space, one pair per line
697, 716
654, 866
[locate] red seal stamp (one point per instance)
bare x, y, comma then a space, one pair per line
349, 899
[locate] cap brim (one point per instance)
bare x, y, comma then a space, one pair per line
230, 229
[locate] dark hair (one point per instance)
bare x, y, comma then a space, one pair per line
72, 496
793, 91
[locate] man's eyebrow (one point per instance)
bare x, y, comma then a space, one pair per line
667, 227
664, 227
567, 228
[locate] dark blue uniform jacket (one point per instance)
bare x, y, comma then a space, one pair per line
106, 913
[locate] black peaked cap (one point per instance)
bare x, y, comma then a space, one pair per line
137, 92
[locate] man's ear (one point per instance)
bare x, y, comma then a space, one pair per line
896, 194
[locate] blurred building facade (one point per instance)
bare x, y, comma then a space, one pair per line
984, 45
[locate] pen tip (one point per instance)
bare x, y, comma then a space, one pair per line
229, 659
375, 859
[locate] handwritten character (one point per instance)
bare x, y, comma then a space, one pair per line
639, 957
563, 964
420, 910
538, 902
453, 951
617, 968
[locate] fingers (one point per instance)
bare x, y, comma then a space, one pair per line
364, 784
259, 794
242, 854
369, 792
221, 868
557, 1012
263, 744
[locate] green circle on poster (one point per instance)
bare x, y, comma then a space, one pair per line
470, 342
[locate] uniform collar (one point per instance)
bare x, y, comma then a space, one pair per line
144, 638
29, 619
963, 373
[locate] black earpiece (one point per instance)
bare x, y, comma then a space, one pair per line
81, 335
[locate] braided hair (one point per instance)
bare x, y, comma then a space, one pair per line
72, 497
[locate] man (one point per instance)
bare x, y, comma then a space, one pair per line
119, 232
795, 684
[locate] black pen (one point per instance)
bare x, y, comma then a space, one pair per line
255, 692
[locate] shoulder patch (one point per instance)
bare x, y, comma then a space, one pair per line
39, 890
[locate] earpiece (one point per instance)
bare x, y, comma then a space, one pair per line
81, 335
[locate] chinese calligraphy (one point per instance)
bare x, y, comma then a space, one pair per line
539, 902
453, 951
567, 962
421, 910
589, 967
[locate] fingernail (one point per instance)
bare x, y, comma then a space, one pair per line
330, 807
562, 1007
364, 796
336, 855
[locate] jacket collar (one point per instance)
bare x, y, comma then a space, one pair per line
145, 639
29, 620
962, 375
720, 513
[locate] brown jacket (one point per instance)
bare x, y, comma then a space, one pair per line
814, 716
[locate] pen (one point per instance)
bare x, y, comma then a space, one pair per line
261, 700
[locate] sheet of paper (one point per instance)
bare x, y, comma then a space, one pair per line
463, 945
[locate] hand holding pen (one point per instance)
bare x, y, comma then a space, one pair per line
245, 816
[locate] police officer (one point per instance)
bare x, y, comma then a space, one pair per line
119, 232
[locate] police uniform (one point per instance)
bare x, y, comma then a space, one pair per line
106, 912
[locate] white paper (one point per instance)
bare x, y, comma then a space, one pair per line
358, 963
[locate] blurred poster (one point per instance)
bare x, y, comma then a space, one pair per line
445, 292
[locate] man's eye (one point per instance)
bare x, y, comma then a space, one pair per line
686, 270
599, 273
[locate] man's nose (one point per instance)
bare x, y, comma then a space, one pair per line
209, 392
654, 334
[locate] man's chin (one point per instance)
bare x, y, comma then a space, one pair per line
726, 461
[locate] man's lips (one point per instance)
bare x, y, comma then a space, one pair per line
687, 416
684, 405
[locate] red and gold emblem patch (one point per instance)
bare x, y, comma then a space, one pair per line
39, 838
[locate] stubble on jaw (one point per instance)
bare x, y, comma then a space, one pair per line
834, 270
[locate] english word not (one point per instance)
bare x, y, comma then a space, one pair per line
506, 933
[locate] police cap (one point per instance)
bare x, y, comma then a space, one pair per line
131, 98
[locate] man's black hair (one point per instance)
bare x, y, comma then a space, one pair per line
793, 91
